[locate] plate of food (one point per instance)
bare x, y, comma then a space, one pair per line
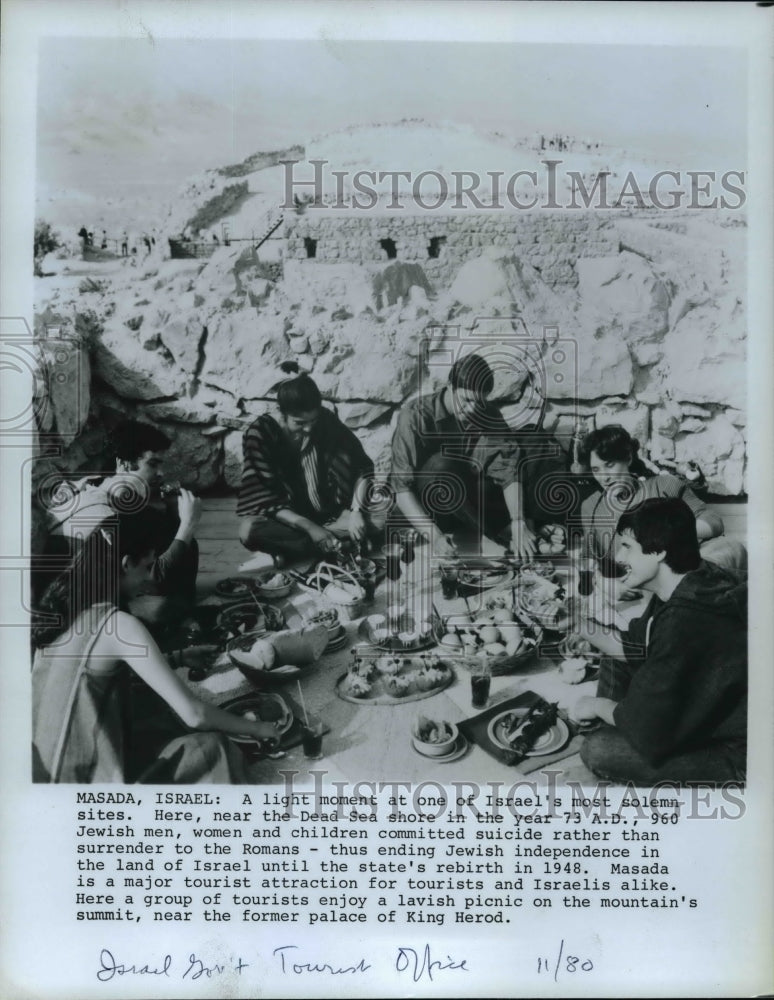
398, 632
483, 575
260, 706
273, 584
238, 619
379, 679
543, 601
495, 632
529, 732
235, 588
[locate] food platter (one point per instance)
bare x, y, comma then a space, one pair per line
249, 617
548, 742
484, 574
266, 706
406, 636
542, 600
380, 676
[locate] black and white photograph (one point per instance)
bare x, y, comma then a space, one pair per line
386, 453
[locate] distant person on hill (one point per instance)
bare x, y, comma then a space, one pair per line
138, 451
103, 244
124, 244
147, 242
304, 482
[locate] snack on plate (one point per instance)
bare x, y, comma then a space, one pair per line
274, 581
397, 685
329, 617
408, 639
389, 665
356, 685
542, 600
364, 668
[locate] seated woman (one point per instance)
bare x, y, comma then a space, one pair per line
611, 454
305, 477
82, 725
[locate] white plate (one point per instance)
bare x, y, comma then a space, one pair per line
455, 753
550, 741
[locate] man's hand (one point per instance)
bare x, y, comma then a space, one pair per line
189, 510
325, 540
522, 540
441, 546
356, 526
585, 709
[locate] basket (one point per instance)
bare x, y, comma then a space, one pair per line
504, 663
340, 588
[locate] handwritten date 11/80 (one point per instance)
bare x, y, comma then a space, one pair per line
572, 964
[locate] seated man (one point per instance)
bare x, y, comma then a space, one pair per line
675, 709
139, 455
457, 464
305, 477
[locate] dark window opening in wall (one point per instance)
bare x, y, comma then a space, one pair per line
389, 248
310, 246
435, 246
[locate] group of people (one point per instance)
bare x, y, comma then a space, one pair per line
671, 699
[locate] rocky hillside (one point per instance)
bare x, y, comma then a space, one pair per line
651, 334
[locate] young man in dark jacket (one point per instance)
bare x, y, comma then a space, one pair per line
675, 707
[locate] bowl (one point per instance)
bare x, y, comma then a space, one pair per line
276, 589
437, 748
238, 650
248, 618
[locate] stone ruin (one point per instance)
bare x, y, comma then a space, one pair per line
646, 311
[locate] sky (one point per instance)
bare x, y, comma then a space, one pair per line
129, 113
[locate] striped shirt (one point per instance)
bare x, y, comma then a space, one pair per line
277, 476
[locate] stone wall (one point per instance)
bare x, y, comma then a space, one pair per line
618, 319
552, 241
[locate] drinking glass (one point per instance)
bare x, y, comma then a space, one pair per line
480, 681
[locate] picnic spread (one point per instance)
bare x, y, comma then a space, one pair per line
404, 676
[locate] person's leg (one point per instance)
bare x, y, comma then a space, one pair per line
264, 534
449, 489
724, 552
609, 755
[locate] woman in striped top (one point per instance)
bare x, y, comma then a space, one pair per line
611, 455
304, 479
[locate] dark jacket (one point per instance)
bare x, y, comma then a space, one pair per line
690, 688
